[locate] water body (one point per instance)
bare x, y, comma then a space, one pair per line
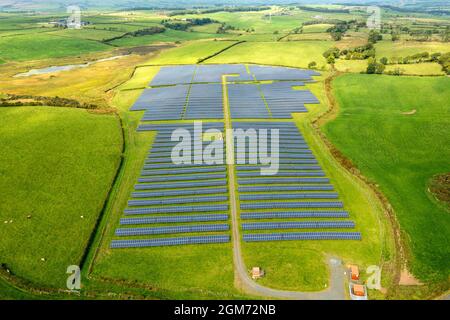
54, 69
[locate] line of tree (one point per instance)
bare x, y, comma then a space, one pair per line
13, 100
221, 9
139, 33
183, 25
323, 9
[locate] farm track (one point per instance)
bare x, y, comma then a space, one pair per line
336, 288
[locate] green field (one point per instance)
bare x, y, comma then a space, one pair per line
293, 54
43, 46
167, 36
191, 52
402, 49
57, 166
401, 153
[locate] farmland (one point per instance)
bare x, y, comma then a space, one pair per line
46, 200
403, 164
67, 184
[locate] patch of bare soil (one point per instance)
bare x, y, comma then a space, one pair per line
407, 279
409, 112
440, 187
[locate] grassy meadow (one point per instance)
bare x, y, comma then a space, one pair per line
292, 54
57, 166
401, 152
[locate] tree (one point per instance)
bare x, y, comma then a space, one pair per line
374, 36
312, 65
384, 60
371, 66
374, 67
331, 59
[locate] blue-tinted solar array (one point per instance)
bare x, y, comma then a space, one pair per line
214, 72
174, 75
205, 102
245, 101
302, 236
281, 73
283, 100
299, 190
165, 103
123, 232
184, 195
160, 242
174, 219
298, 225
191, 193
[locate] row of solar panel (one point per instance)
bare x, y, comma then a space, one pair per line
178, 209
170, 241
178, 185
302, 236
299, 225
294, 214
178, 200
174, 219
122, 232
184, 177
287, 196
290, 205
213, 73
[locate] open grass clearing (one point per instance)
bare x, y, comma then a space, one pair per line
57, 166
403, 164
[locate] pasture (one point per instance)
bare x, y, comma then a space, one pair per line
36, 46
57, 166
403, 49
293, 54
374, 108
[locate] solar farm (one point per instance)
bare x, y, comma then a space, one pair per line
189, 203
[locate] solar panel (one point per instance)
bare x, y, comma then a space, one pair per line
299, 225
255, 197
122, 232
170, 241
290, 205
302, 236
178, 200
174, 219
177, 209
178, 185
182, 192
294, 214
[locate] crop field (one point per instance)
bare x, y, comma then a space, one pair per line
403, 164
57, 167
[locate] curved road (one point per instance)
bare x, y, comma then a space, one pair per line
336, 288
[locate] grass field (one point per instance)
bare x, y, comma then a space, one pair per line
57, 165
191, 52
167, 36
419, 69
42, 46
295, 54
371, 110
398, 49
